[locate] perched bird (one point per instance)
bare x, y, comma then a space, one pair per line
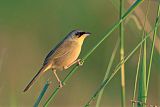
63, 56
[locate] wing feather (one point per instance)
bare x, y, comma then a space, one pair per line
60, 50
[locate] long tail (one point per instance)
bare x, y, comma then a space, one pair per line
41, 71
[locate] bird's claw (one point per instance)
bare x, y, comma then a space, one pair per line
80, 62
60, 84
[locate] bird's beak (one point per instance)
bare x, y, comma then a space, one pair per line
87, 33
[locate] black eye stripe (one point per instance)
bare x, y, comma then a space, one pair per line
80, 33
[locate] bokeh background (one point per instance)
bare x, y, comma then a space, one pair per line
29, 29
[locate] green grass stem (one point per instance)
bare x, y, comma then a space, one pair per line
153, 43
107, 72
143, 73
136, 79
121, 33
42, 94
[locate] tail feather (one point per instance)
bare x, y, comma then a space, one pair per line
41, 71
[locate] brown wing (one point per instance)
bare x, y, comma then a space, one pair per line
60, 50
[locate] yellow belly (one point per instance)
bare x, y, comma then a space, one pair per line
67, 59
72, 56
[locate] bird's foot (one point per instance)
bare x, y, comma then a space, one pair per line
80, 62
60, 84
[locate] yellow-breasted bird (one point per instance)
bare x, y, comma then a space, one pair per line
63, 56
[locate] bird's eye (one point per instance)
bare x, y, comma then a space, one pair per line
79, 34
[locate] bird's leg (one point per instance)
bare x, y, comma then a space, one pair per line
59, 81
78, 61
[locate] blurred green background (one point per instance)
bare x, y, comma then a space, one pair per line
29, 29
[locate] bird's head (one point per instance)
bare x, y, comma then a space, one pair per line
78, 35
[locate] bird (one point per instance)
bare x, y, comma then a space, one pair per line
62, 56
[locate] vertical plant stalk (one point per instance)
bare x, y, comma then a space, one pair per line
115, 26
143, 73
121, 32
153, 43
107, 72
142, 84
136, 79
42, 93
